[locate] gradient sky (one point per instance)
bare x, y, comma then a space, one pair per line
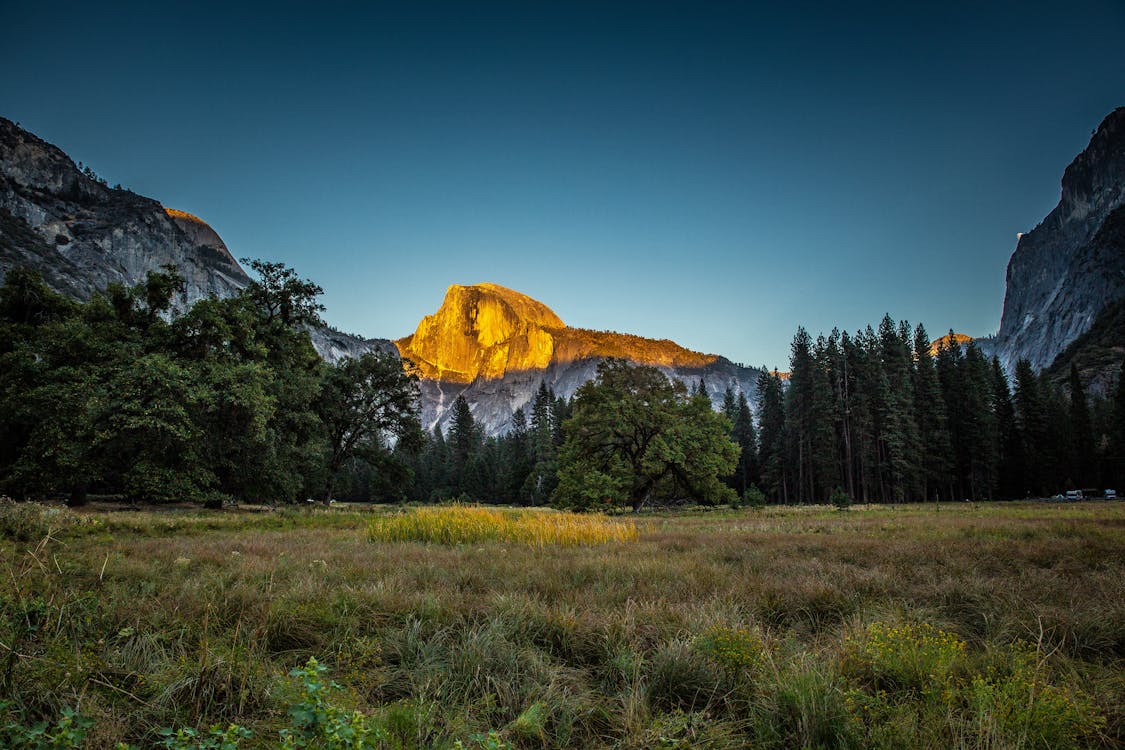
713, 173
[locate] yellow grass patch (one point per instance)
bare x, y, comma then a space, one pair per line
462, 524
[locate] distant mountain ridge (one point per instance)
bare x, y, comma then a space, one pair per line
1066, 270
495, 345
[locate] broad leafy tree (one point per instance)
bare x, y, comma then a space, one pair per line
637, 437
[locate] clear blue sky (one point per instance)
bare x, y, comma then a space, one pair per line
713, 173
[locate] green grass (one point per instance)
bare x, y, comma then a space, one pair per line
979, 626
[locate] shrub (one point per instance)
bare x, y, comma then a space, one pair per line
754, 497
1014, 699
905, 658
840, 499
737, 650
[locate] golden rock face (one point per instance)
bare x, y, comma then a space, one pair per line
948, 341
486, 330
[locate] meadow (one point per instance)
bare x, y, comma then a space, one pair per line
976, 626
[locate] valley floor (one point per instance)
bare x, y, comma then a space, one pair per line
984, 625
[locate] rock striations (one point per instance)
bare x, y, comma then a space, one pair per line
495, 346
82, 235
1068, 269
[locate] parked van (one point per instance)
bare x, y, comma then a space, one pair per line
1111, 494
1073, 495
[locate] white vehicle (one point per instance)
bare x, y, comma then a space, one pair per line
1073, 495
1111, 494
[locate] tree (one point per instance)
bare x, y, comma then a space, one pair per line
771, 433
635, 436
282, 295
365, 403
933, 424
463, 440
1081, 430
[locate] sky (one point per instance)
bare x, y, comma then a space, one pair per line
714, 173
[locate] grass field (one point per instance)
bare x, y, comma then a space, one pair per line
979, 626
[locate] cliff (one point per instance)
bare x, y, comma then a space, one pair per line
83, 235
1065, 272
495, 345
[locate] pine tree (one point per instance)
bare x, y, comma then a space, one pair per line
543, 477
462, 441
771, 431
1083, 466
1010, 462
933, 423
1031, 419
746, 473
1117, 434
800, 414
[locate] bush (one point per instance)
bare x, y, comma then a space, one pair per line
1014, 699
840, 499
905, 658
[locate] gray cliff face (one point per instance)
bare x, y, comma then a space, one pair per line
1065, 271
494, 402
335, 346
82, 235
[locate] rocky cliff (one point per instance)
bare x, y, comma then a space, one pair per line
1068, 269
83, 235
494, 346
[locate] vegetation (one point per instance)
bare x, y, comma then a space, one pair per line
635, 435
877, 416
227, 402
985, 625
469, 524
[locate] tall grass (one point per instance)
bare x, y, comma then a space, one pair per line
984, 626
468, 524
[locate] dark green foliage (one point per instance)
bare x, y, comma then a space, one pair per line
635, 437
878, 415
227, 401
364, 404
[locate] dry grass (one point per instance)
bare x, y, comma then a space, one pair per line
772, 628
468, 524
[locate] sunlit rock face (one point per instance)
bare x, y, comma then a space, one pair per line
83, 235
948, 341
495, 346
1065, 271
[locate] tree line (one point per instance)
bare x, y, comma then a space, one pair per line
880, 417
230, 402
227, 402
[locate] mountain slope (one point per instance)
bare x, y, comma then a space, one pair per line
495, 346
82, 235
1065, 271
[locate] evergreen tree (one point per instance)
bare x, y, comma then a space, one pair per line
800, 414
933, 424
462, 441
1010, 478
771, 453
1083, 453
1031, 419
746, 474
1117, 434
545, 428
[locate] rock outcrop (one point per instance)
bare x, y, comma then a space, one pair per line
83, 235
495, 346
1068, 269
